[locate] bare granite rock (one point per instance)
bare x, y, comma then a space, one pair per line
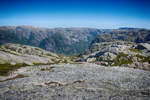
29, 55
119, 53
84, 81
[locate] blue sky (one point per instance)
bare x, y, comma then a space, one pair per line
76, 13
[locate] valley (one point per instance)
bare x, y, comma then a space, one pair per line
74, 63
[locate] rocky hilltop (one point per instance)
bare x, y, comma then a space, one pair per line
14, 56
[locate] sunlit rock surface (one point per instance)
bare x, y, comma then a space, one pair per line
77, 82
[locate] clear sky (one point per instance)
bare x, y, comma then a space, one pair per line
76, 13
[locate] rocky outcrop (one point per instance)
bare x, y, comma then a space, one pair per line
14, 56
119, 53
16, 53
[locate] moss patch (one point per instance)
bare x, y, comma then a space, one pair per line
18, 76
143, 59
121, 59
135, 50
140, 56
6, 68
47, 69
146, 59
65, 61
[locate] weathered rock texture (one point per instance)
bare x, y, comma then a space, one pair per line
77, 82
29, 55
119, 53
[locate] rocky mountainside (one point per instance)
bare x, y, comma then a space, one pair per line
136, 35
14, 56
119, 53
129, 47
69, 41
58, 40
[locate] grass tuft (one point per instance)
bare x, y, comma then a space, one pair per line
47, 69
6, 68
135, 50
121, 59
18, 76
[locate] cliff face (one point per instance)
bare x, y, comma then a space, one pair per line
59, 40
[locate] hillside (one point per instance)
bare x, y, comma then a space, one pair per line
136, 35
66, 41
14, 56
128, 47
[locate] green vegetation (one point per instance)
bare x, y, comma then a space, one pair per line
6, 68
121, 54
146, 59
27, 51
18, 76
135, 50
23, 46
57, 62
38, 64
20, 50
143, 59
109, 63
121, 59
47, 69
73, 58
140, 56
13, 53
65, 61
48, 54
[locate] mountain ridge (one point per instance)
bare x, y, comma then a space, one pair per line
46, 37
69, 41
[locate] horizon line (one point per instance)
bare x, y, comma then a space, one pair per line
35, 26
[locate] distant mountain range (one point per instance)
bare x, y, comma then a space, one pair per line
136, 35
66, 41
69, 41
